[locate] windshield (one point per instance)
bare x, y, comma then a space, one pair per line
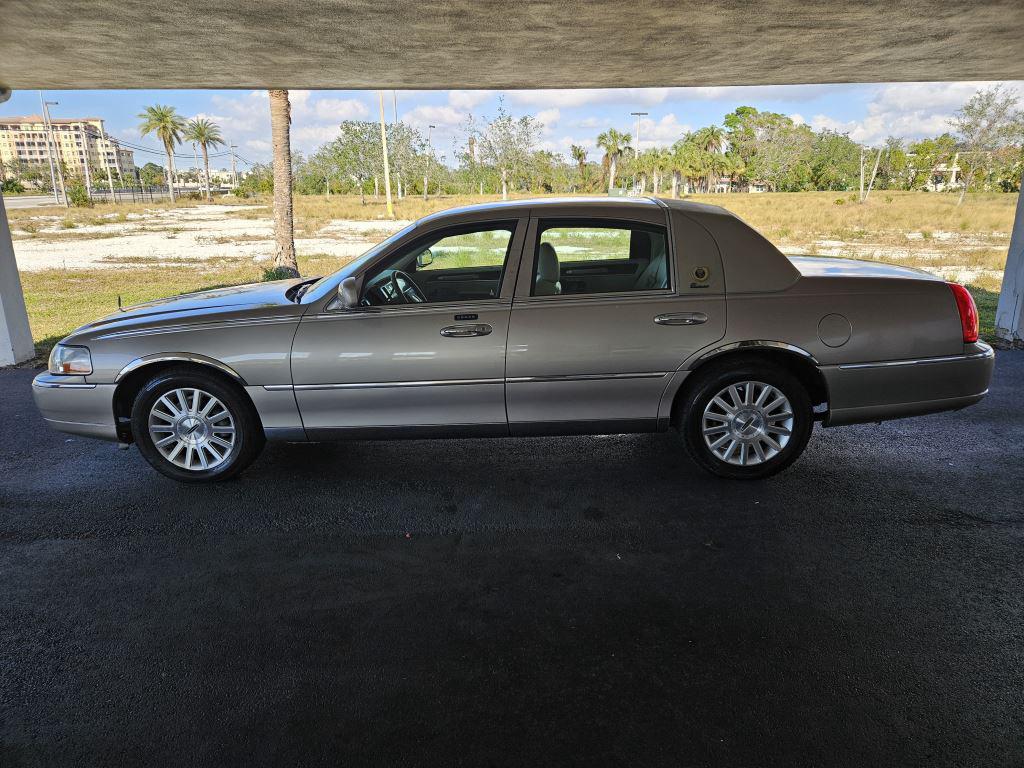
326, 284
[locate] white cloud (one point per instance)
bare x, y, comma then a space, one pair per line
338, 110
466, 100
660, 133
907, 110
581, 97
440, 116
797, 118
549, 119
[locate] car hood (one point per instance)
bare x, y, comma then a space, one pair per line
201, 305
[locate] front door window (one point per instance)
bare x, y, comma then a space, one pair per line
462, 264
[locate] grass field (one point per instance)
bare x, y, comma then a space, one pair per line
911, 228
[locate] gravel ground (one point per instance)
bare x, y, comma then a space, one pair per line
580, 601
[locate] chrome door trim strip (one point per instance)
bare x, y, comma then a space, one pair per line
587, 377
917, 361
381, 384
461, 382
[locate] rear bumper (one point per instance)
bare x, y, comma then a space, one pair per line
70, 404
893, 389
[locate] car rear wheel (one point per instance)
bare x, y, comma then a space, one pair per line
746, 420
195, 428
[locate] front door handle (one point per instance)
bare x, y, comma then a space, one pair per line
463, 331
682, 318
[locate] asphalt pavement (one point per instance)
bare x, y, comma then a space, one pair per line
583, 601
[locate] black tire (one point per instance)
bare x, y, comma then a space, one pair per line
710, 382
248, 432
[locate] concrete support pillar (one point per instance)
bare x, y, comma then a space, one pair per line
15, 337
1010, 311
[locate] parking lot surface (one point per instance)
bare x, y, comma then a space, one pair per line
574, 601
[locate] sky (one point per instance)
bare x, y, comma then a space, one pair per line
867, 112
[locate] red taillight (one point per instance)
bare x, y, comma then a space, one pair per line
968, 312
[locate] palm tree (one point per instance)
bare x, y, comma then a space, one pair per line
206, 134
579, 154
710, 141
285, 263
614, 145
168, 126
661, 162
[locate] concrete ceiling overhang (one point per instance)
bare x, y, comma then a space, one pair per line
502, 43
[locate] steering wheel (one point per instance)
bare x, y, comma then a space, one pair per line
406, 288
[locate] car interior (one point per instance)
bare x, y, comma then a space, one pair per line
599, 257
458, 265
573, 258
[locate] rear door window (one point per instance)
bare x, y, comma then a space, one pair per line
598, 256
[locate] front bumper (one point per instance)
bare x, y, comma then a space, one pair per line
892, 389
70, 404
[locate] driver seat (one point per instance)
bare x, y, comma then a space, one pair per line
549, 272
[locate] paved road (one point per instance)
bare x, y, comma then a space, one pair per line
584, 601
27, 201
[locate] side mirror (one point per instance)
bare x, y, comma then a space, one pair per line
424, 258
348, 293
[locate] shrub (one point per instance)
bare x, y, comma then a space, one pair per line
840, 201
12, 187
276, 273
78, 196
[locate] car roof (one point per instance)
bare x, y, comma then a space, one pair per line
504, 206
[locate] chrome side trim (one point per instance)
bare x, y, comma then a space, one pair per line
757, 344
461, 382
180, 358
61, 385
918, 361
587, 377
382, 384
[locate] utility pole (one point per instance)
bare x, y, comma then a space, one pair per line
234, 173
394, 102
49, 125
636, 152
85, 162
49, 152
430, 154
874, 170
384, 148
110, 179
861, 198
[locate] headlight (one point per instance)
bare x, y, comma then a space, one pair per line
70, 360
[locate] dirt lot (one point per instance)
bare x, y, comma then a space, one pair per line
73, 261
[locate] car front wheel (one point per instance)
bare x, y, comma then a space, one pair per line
746, 420
194, 428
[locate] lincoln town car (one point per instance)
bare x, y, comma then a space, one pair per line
533, 317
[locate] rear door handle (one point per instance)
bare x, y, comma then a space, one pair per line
681, 318
462, 331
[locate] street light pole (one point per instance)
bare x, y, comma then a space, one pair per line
49, 126
49, 152
636, 152
430, 154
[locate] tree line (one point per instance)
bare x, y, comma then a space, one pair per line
749, 148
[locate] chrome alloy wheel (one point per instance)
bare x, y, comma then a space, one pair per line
747, 423
192, 429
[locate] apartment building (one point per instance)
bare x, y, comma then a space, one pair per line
77, 142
